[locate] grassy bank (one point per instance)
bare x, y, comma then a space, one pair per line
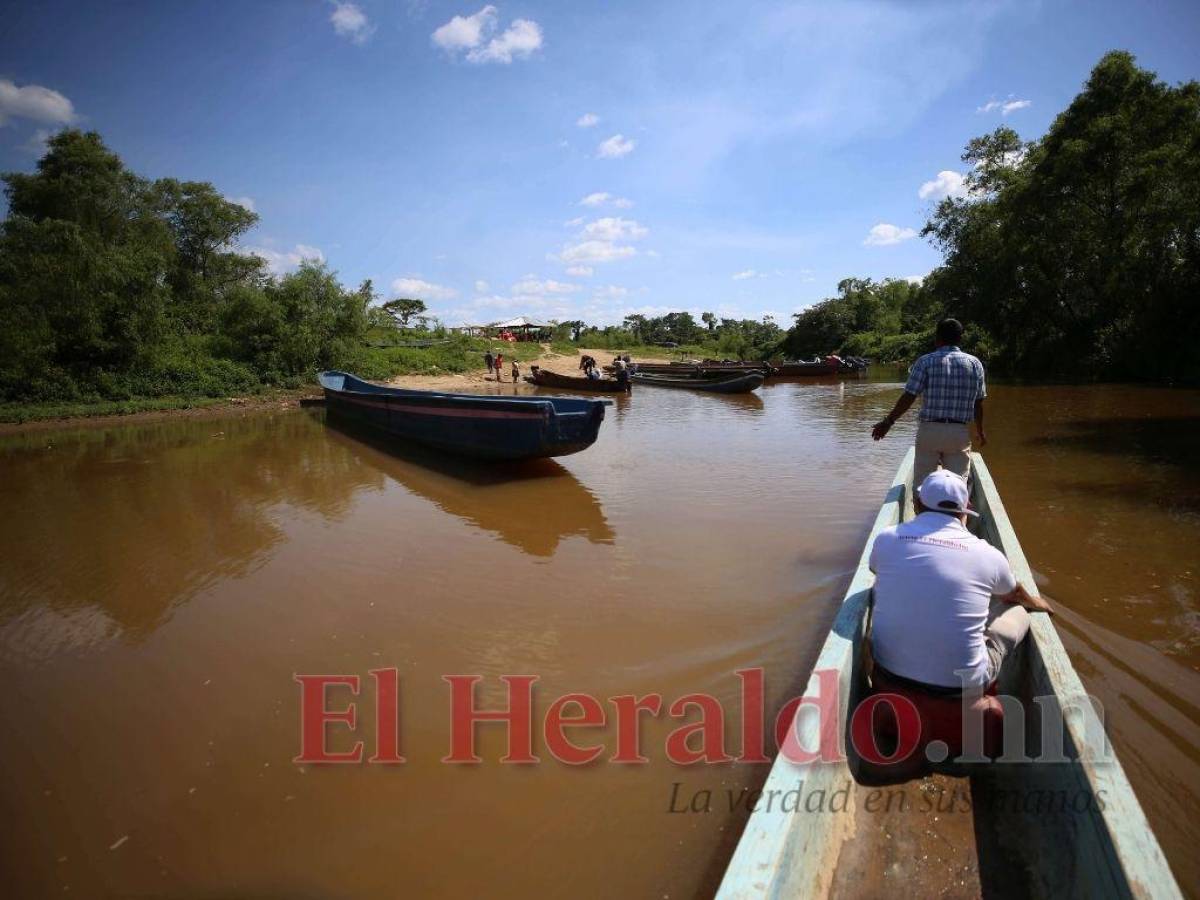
33, 412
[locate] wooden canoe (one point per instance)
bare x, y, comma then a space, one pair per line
701, 370
735, 384
542, 378
471, 425
1105, 850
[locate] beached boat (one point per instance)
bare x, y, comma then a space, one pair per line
479, 426
734, 384
1026, 832
542, 378
850, 365
700, 370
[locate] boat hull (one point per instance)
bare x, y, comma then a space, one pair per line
738, 384
542, 378
475, 426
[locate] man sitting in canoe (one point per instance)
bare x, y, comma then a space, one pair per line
948, 609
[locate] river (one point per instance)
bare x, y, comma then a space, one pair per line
162, 583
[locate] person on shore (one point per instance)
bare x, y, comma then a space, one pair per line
948, 609
499, 366
952, 383
490, 362
516, 372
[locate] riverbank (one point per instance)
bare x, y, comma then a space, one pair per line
564, 364
16, 419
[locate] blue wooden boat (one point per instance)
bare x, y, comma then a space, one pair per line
473, 425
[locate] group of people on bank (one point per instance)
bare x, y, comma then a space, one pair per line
495, 366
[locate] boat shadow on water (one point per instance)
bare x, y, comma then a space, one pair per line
532, 505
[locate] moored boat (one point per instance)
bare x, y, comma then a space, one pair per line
733, 384
700, 369
543, 378
1026, 833
472, 425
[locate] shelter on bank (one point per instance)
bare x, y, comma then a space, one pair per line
522, 328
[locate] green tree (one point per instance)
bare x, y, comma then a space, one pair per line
403, 309
1080, 252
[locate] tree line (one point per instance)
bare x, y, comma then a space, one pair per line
113, 286
1077, 254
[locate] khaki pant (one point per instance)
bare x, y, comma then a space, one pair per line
942, 444
1006, 627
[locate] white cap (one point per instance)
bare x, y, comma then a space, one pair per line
946, 492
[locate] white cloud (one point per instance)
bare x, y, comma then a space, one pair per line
279, 262
350, 22
600, 198
914, 279
482, 286
884, 235
610, 292
41, 104
465, 32
747, 274
244, 202
520, 39
531, 286
613, 228
587, 120
420, 289
948, 183
574, 223
615, 147
1004, 107
580, 271
588, 252
475, 34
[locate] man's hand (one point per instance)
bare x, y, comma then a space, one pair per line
882, 428
1022, 597
982, 438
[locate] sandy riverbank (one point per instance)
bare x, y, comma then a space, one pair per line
466, 382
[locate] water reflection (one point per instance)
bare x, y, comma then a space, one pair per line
531, 505
132, 521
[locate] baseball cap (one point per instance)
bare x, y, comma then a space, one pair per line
944, 491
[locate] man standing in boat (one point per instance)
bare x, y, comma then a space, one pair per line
952, 383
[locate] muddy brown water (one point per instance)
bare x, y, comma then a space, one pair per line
162, 583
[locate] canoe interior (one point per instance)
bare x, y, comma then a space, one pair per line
1015, 838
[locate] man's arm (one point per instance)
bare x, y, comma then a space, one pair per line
1022, 597
885, 425
979, 422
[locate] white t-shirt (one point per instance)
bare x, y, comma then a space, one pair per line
934, 584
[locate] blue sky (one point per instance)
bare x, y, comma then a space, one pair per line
735, 157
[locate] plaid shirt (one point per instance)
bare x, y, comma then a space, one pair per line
951, 381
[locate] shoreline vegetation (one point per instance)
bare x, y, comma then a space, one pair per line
1076, 255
